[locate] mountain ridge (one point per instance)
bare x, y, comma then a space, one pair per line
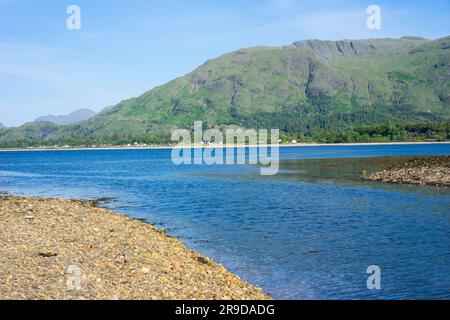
304, 87
66, 119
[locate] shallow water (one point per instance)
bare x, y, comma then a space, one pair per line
308, 233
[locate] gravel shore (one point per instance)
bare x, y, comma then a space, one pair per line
64, 249
434, 171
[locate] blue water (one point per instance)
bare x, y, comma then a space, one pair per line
296, 238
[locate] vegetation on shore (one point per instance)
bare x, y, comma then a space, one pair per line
390, 132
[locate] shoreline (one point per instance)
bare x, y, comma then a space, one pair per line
72, 249
224, 146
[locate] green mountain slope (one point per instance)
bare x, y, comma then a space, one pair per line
303, 87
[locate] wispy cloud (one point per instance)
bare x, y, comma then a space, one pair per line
332, 24
40, 63
38, 73
281, 4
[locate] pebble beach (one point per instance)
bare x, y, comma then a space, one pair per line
68, 249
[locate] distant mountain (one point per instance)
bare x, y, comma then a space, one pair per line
306, 87
74, 117
1, 125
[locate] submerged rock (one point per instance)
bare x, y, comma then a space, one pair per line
434, 171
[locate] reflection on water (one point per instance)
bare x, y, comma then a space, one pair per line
309, 232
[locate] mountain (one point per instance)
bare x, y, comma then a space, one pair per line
306, 87
2, 126
74, 117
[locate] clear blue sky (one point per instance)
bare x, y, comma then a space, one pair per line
127, 47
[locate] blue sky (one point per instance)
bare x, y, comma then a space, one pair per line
125, 48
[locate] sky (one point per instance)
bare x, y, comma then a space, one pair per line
126, 47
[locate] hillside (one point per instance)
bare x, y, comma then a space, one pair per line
73, 117
304, 87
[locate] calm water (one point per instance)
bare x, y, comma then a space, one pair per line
308, 233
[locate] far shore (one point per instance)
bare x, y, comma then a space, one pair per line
168, 147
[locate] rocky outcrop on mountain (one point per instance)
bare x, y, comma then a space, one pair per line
328, 50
